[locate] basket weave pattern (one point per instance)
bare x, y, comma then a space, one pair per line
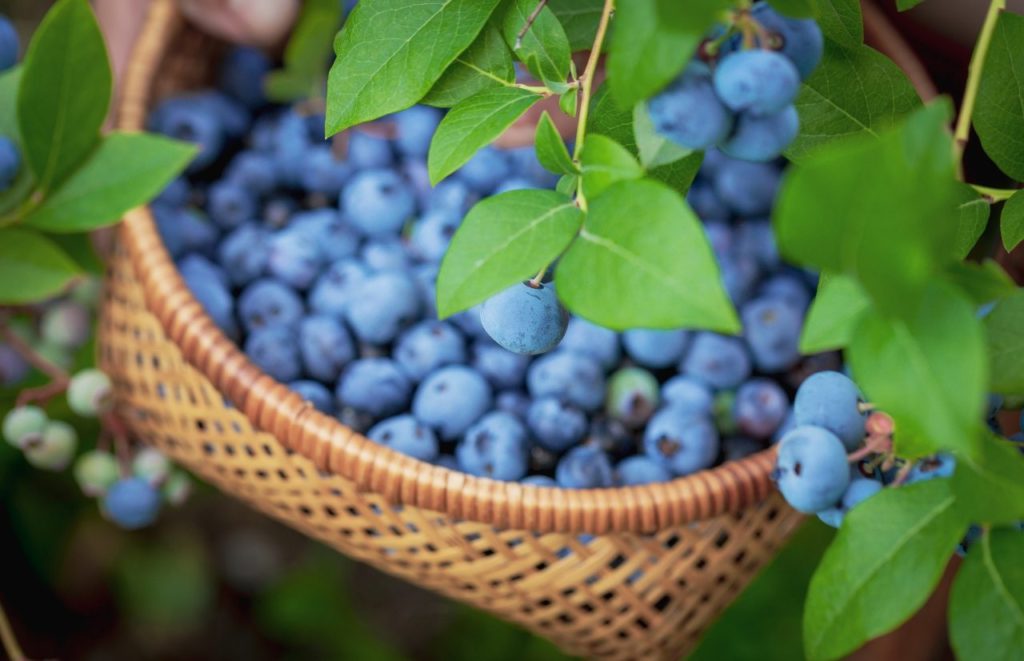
663, 560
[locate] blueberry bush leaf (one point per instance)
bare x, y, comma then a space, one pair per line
904, 5
32, 267
605, 162
504, 239
999, 110
664, 276
693, 17
795, 8
389, 54
990, 487
306, 57
972, 218
882, 566
608, 119
486, 63
1011, 221
544, 49
854, 91
982, 282
841, 21
833, 315
473, 123
551, 151
986, 605
64, 92
654, 149
124, 171
1006, 345
579, 18
927, 369
22, 184
678, 174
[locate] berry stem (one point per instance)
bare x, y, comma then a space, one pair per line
59, 379
113, 424
873, 445
529, 23
963, 121
586, 82
993, 195
7, 637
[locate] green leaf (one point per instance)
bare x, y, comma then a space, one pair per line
125, 170
80, 248
999, 110
551, 151
32, 267
834, 314
679, 174
568, 100
486, 63
605, 162
472, 124
983, 283
64, 93
853, 92
883, 564
1011, 221
308, 53
580, 19
504, 239
692, 17
544, 49
9, 82
607, 118
841, 21
904, 5
645, 54
795, 8
390, 54
986, 605
1006, 345
567, 184
990, 488
927, 369
891, 231
642, 261
654, 148
972, 218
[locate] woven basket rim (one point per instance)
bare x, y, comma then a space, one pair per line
331, 446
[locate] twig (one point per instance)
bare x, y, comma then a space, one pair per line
59, 379
10, 642
529, 23
121, 445
586, 81
963, 121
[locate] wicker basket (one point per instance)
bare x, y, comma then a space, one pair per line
663, 561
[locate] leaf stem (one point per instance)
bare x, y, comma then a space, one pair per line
995, 194
59, 378
586, 82
963, 122
529, 23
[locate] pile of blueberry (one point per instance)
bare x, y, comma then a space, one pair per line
320, 260
738, 92
10, 157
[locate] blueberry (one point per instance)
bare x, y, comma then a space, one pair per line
268, 302
241, 75
681, 441
468, 321
277, 210
367, 151
655, 349
516, 183
10, 158
428, 346
760, 407
717, 360
13, 367
290, 147
376, 386
335, 238
432, 233
426, 280
230, 205
385, 255
323, 173
448, 461
632, 396
601, 344
175, 194
556, 426
539, 481
772, 328
451, 399
275, 351
325, 346
131, 503
184, 230
405, 434
762, 137
253, 171
198, 270
689, 113
523, 160
500, 366
761, 82
496, 447
720, 237
294, 259
811, 469
233, 116
798, 39
789, 288
9, 45
337, 286
316, 394
525, 318
930, 468
23, 426
382, 306
414, 128
832, 401
151, 465
243, 254
180, 119
639, 469
739, 275
705, 202
748, 188
90, 393
377, 202
515, 402
572, 377
451, 195
584, 467
488, 168
66, 323
95, 471
756, 239
735, 448
416, 175
688, 393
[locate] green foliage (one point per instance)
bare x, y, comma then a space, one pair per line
579, 18
986, 611
503, 240
841, 21
609, 119
662, 277
883, 564
544, 48
999, 113
972, 218
834, 314
654, 150
486, 63
990, 487
1006, 345
389, 54
164, 586
983, 282
472, 124
605, 162
551, 150
32, 267
1011, 221
307, 55
795, 8
904, 5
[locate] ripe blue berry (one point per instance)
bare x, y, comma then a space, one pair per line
382, 306
717, 360
23, 425
253, 171
241, 75
689, 394
367, 152
131, 503
376, 386
294, 259
8, 45
689, 113
269, 302
323, 172
811, 469
556, 426
415, 127
584, 467
90, 393
681, 441
930, 468
500, 366
859, 490
761, 82
539, 481
525, 318
405, 434
95, 471
513, 401
798, 39
655, 349
760, 407
325, 227
10, 158
316, 394
571, 377
428, 346
229, 204
385, 254
275, 350
772, 329
433, 232
832, 401
632, 396
208, 284
325, 346
762, 137
377, 202
601, 344
243, 254
488, 168
337, 286
181, 119
639, 469
13, 367
451, 399
747, 188
496, 446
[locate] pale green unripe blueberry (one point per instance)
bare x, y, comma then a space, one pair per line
151, 465
95, 471
89, 393
633, 395
177, 488
24, 425
87, 291
66, 324
55, 448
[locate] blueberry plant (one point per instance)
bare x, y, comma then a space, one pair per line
61, 178
875, 199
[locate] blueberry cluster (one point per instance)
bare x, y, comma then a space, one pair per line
10, 157
738, 92
320, 260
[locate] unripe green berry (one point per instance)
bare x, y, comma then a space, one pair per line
66, 324
632, 396
24, 425
55, 449
725, 420
89, 393
87, 291
177, 488
151, 465
95, 471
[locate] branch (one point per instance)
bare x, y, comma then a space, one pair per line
963, 122
59, 379
529, 23
586, 81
